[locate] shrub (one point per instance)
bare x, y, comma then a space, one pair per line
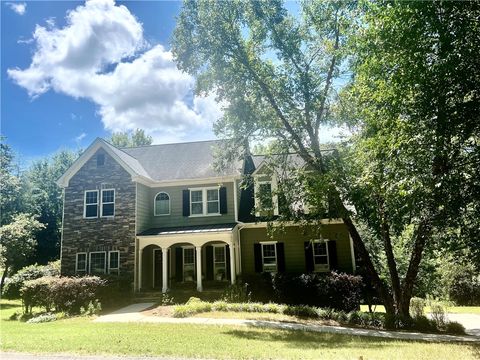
301, 311
116, 289
424, 324
438, 313
237, 293
167, 300
14, 284
354, 318
453, 327
416, 307
93, 308
43, 318
67, 294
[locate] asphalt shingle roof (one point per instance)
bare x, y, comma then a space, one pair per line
181, 161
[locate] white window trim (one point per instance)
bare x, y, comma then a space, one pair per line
76, 262
224, 259
274, 186
276, 255
101, 205
117, 269
205, 201
183, 261
315, 269
85, 204
90, 261
155, 204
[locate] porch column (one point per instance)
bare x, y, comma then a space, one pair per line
232, 264
140, 256
164, 270
198, 251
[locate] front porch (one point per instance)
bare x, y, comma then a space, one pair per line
188, 258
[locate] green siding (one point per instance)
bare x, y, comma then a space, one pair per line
146, 218
294, 238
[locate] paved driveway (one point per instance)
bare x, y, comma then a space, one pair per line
470, 321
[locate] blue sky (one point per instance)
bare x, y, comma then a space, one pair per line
73, 71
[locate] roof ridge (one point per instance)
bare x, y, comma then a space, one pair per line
177, 143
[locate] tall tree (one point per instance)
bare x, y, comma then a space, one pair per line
127, 139
278, 73
9, 184
42, 196
17, 243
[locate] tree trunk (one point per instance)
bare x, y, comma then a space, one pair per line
4, 276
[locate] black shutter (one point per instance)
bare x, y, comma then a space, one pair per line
257, 254
223, 200
332, 254
179, 264
209, 260
280, 257
227, 259
186, 202
309, 256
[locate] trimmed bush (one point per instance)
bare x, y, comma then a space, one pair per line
14, 284
66, 294
424, 324
416, 307
453, 327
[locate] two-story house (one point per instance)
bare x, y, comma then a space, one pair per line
162, 215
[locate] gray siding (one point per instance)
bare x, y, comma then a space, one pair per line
144, 203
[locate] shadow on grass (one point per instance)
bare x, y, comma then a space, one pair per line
9, 306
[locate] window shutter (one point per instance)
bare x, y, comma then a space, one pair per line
209, 260
179, 264
257, 252
309, 256
186, 202
223, 200
227, 260
280, 257
332, 254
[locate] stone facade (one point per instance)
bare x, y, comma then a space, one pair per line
101, 233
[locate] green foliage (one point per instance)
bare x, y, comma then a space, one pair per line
9, 184
236, 293
416, 307
93, 308
438, 313
65, 294
43, 318
31, 272
17, 242
455, 328
133, 139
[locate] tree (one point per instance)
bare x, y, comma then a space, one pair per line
9, 184
126, 139
17, 243
42, 196
279, 73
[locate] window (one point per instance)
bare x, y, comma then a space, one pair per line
269, 257
204, 201
219, 266
91, 204
81, 263
265, 195
97, 262
320, 256
162, 204
196, 202
100, 160
188, 264
108, 202
113, 262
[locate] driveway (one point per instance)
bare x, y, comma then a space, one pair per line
470, 321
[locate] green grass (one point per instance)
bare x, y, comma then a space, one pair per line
450, 309
81, 336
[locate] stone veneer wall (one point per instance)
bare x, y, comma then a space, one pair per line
99, 234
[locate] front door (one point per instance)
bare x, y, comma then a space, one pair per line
157, 268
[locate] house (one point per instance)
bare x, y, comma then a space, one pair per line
162, 216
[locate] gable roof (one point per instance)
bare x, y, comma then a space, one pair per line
182, 161
158, 163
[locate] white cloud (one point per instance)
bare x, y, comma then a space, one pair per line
19, 8
80, 137
101, 55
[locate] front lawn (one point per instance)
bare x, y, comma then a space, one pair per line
81, 336
450, 309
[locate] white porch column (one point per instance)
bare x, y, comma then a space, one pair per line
198, 251
140, 256
164, 270
232, 264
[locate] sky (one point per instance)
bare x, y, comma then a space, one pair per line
73, 71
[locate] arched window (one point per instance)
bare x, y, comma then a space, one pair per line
162, 204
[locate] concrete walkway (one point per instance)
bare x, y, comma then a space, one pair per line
133, 313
